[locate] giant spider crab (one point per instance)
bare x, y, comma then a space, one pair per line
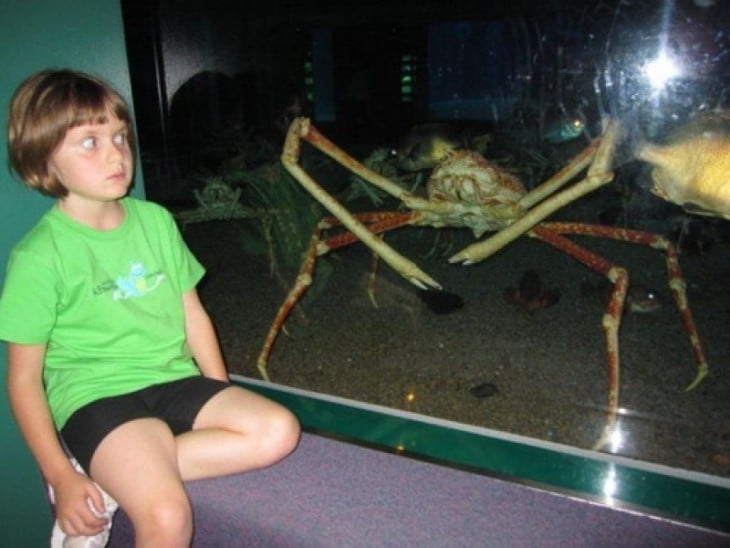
466, 190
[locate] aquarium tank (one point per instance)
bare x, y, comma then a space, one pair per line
528, 206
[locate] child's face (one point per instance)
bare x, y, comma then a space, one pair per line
94, 161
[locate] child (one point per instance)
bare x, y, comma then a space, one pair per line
108, 343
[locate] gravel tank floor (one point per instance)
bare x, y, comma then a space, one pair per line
545, 373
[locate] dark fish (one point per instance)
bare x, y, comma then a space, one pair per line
484, 390
642, 300
531, 295
441, 302
639, 299
564, 128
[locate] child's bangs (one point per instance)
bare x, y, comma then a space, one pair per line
92, 105
89, 113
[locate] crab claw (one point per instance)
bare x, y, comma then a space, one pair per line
462, 259
473, 253
419, 278
402, 265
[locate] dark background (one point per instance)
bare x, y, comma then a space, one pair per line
206, 72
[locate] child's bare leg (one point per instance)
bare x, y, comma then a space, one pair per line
236, 431
143, 466
137, 465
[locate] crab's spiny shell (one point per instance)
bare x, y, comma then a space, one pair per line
467, 177
477, 190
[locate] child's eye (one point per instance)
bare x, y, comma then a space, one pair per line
89, 143
120, 138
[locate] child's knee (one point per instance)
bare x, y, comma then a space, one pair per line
167, 522
285, 433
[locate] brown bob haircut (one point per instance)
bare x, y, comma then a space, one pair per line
44, 107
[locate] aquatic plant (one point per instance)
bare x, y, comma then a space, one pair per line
290, 215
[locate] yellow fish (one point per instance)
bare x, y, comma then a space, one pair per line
692, 169
424, 147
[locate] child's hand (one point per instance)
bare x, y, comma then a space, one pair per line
79, 506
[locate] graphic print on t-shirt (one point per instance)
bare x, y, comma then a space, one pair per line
137, 283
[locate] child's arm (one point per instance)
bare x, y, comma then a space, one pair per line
202, 339
28, 402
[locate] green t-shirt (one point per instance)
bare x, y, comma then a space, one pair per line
108, 304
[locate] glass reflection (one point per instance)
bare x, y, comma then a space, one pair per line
610, 485
400, 90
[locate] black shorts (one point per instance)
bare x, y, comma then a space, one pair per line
177, 403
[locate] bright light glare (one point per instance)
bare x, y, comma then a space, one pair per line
610, 483
661, 70
617, 438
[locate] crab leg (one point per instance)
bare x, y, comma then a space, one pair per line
552, 233
598, 175
611, 317
679, 289
677, 285
561, 178
377, 223
302, 282
302, 129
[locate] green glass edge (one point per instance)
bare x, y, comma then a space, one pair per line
648, 491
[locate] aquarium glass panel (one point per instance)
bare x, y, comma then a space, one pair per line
512, 216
